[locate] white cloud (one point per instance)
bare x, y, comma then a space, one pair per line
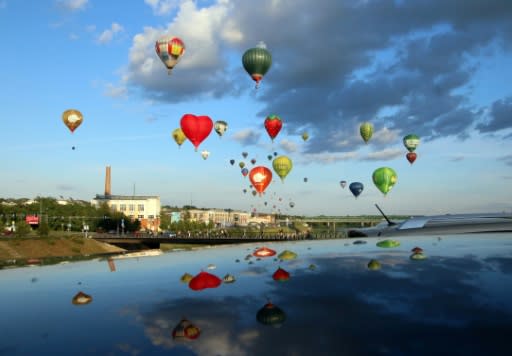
115, 91
326, 157
288, 146
162, 7
384, 155
385, 136
73, 36
72, 5
246, 136
107, 35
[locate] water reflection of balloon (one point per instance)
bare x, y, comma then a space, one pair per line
81, 299
287, 255
384, 179
196, 128
185, 330
264, 252
281, 275
204, 280
356, 188
270, 314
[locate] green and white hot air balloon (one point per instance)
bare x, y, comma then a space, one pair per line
257, 62
411, 142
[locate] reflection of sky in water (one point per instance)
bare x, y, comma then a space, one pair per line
457, 301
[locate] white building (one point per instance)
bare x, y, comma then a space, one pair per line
220, 217
144, 208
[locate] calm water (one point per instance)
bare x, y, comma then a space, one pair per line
458, 301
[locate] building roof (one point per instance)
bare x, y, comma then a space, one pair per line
125, 197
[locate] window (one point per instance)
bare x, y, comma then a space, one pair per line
132, 207
122, 207
141, 207
140, 216
151, 216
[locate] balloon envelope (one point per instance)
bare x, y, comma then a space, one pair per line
356, 188
343, 183
260, 177
196, 128
273, 125
220, 127
305, 136
204, 280
205, 154
282, 166
366, 131
257, 62
384, 179
270, 315
411, 157
179, 136
169, 49
411, 142
72, 119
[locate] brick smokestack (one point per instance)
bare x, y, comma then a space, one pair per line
108, 190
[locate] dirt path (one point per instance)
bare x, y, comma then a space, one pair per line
6, 249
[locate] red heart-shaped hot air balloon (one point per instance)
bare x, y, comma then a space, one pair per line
260, 177
411, 157
281, 275
196, 128
273, 125
204, 280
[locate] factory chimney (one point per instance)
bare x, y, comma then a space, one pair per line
108, 190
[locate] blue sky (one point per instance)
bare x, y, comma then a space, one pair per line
439, 69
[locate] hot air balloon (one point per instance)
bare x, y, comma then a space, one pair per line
384, 179
273, 125
244, 154
186, 278
271, 315
245, 172
305, 179
81, 299
287, 255
232, 161
411, 142
196, 128
275, 154
292, 204
205, 154
241, 164
204, 280
253, 161
185, 330
282, 166
245, 191
169, 49
411, 157
72, 119
179, 136
260, 177
305, 136
269, 157
356, 188
254, 194
366, 131
343, 183
257, 62
220, 127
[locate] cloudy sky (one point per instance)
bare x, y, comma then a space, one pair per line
438, 69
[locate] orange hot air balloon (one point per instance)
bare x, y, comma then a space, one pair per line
72, 119
264, 252
260, 177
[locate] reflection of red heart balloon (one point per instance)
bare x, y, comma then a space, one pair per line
196, 128
281, 275
273, 125
411, 157
264, 251
260, 178
204, 280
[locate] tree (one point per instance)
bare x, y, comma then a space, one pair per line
43, 230
22, 228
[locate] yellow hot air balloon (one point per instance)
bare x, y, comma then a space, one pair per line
72, 119
282, 166
366, 131
305, 136
179, 136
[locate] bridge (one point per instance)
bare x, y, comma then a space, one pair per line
141, 242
